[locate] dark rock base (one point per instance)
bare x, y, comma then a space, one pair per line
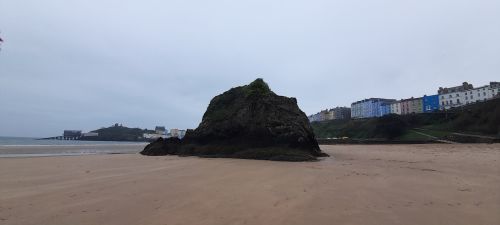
174, 146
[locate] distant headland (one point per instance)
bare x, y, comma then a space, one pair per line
118, 132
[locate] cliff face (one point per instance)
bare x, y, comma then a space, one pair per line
249, 121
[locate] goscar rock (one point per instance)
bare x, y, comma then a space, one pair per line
249, 122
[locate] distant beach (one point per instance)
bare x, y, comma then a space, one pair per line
32, 147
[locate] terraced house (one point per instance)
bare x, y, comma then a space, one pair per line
371, 107
446, 98
396, 107
466, 94
337, 113
411, 106
453, 96
430, 103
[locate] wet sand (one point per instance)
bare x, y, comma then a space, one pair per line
77, 149
360, 184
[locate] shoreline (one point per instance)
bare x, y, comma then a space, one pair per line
67, 150
36, 155
34, 151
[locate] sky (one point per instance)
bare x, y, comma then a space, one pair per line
86, 64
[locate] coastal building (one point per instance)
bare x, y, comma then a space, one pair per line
482, 93
411, 106
341, 113
467, 94
174, 132
325, 115
430, 103
417, 105
495, 89
369, 108
356, 110
153, 136
455, 96
385, 109
160, 130
336, 113
446, 98
405, 106
396, 107
150, 136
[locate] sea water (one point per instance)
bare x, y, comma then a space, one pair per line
32, 147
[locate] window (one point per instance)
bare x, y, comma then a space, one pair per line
458, 95
465, 93
484, 93
478, 94
471, 97
458, 101
450, 96
466, 98
442, 103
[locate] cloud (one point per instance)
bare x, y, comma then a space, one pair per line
87, 64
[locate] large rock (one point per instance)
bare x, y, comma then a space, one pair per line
247, 122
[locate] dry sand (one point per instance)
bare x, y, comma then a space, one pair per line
360, 184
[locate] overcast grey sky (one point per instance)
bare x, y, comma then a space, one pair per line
84, 64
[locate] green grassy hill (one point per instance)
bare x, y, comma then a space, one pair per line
119, 133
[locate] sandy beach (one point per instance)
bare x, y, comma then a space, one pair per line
359, 184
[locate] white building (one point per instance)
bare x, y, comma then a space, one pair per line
174, 133
396, 108
160, 130
153, 136
466, 94
482, 93
477, 95
454, 96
